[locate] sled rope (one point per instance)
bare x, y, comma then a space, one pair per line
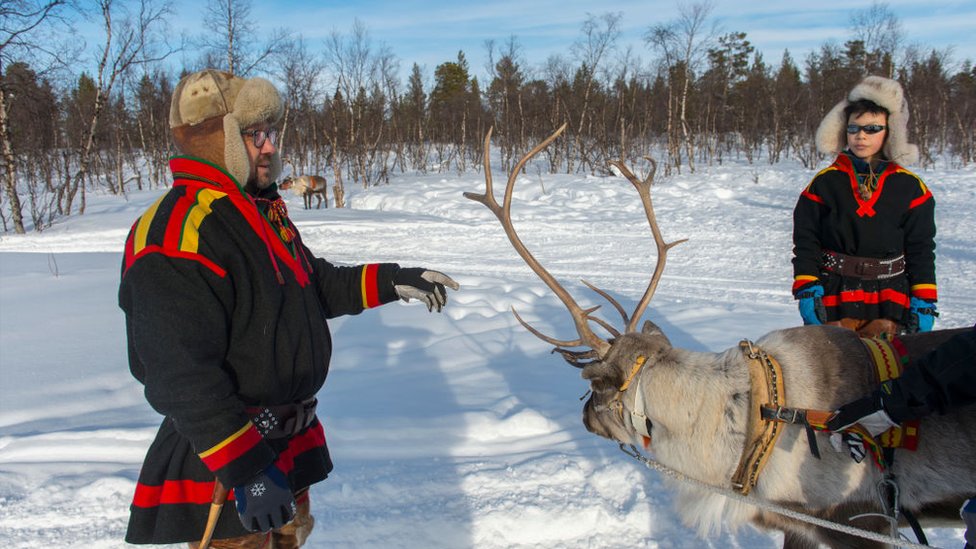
768, 506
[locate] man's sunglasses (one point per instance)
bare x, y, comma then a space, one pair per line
870, 129
258, 137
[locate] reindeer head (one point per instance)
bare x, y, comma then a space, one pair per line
609, 412
286, 183
609, 364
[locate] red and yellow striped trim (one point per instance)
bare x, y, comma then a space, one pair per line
177, 492
231, 447
926, 193
369, 286
201, 208
802, 280
182, 236
928, 292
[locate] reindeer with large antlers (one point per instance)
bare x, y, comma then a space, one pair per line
726, 419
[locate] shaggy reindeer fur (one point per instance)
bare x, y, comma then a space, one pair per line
698, 405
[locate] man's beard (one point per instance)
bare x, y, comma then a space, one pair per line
254, 180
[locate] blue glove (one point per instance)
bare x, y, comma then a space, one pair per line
921, 315
266, 502
811, 305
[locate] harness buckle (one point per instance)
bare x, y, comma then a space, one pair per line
789, 415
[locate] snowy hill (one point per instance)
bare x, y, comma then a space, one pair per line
450, 430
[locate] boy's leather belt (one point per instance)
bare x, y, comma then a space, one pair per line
283, 420
868, 268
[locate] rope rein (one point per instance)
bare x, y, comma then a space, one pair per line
769, 506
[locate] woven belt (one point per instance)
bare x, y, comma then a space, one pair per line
284, 420
867, 268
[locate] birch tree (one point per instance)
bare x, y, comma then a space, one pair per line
131, 39
20, 22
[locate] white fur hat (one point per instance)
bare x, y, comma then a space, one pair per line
208, 111
887, 93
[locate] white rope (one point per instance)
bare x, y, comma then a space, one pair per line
768, 506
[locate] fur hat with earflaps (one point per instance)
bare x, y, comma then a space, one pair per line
887, 93
210, 108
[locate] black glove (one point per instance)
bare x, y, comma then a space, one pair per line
427, 286
266, 502
968, 514
869, 412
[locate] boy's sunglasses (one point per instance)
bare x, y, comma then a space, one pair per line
870, 129
258, 137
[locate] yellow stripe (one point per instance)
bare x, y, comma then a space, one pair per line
362, 288
190, 240
142, 230
923, 287
806, 277
225, 442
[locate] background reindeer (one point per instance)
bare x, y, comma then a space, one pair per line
307, 186
694, 409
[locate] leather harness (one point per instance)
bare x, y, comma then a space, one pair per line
768, 410
766, 392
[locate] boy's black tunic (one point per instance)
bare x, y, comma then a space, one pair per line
898, 218
226, 308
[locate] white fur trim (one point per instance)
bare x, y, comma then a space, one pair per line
831, 137
235, 153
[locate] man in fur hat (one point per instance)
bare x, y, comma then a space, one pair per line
864, 228
226, 314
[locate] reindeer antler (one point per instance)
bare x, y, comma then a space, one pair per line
581, 317
644, 190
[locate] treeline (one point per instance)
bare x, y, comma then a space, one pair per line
704, 98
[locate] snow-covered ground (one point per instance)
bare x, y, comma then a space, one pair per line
450, 430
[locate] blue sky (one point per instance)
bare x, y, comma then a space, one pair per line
430, 32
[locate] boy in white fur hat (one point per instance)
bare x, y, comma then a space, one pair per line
226, 313
864, 228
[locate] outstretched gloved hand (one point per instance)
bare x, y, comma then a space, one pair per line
811, 305
265, 502
869, 413
426, 286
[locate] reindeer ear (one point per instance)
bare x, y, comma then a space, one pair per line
651, 329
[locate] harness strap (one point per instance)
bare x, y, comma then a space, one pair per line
816, 420
766, 390
638, 419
